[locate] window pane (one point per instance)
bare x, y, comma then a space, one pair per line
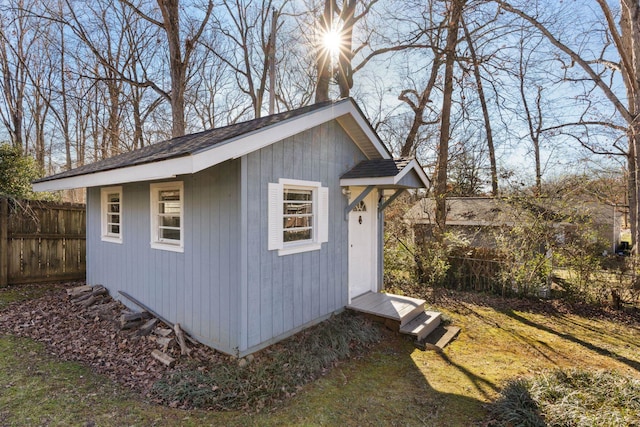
298, 215
295, 235
113, 219
169, 207
296, 208
170, 221
167, 233
301, 195
114, 229
296, 222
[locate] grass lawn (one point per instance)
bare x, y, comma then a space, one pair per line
394, 385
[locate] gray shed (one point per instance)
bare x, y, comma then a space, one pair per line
248, 233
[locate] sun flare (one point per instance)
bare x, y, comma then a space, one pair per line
332, 41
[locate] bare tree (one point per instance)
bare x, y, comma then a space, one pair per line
16, 39
179, 56
625, 39
250, 29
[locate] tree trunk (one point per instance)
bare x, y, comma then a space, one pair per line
171, 21
455, 13
323, 60
485, 109
345, 69
630, 40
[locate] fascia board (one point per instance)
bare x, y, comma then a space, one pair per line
363, 182
146, 172
248, 143
413, 165
366, 128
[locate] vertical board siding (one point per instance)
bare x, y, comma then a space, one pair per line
42, 241
287, 292
197, 288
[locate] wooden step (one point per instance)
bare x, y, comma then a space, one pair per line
409, 316
422, 325
439, 338
397, 308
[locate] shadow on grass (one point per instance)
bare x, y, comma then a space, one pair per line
478, 382
391, 386
634, 364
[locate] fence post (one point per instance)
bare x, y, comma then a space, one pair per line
4, 241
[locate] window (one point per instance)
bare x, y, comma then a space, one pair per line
298, 216
167, 213
111, 213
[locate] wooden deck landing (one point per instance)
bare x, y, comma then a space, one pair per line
394, 307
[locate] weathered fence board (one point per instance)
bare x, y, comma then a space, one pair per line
41, 241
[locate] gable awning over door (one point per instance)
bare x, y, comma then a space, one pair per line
395, 174
401, 173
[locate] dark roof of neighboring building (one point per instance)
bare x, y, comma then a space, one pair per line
482, 210
188, 144
377, 168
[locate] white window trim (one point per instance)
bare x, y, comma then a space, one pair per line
105, 235
155, 243
320, 203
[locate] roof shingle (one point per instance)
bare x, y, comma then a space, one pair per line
377, 168
187, 144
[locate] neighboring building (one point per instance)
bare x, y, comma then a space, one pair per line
248, 233
479, 219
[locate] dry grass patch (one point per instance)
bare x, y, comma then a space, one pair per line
570, 398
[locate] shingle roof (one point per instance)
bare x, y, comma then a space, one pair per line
187, 144
377, 168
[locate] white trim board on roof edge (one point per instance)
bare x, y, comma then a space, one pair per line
388, 180
231, 149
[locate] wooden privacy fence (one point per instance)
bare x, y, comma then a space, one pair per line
41, 241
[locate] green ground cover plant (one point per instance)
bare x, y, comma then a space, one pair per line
570, 398
276, 373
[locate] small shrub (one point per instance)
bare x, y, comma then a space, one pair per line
516, 407
432, 263
571, 398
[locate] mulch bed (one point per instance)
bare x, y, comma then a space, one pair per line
75, 333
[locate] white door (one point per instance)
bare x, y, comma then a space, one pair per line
362, 251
